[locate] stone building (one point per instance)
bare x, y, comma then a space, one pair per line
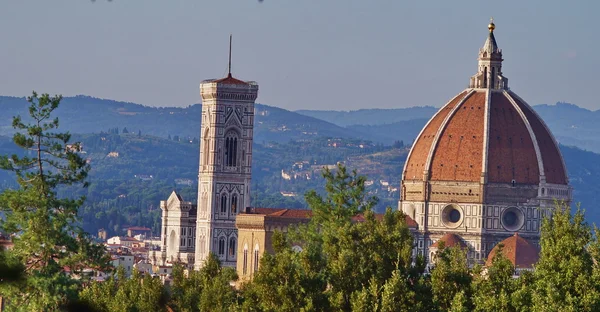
484, 167
255, 230
225, 165
178, 232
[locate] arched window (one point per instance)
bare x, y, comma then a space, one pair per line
232, 247
234, 204
222, 246
256, 258
245, 266
231, 147
223, 203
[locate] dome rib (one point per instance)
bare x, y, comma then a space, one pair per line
554, 169
513, 153
458, 152
414, 166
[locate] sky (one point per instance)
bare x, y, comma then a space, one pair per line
304, 54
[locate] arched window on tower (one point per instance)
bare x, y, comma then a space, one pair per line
231, 147
256, 258
221, 246
245, 264
223, 204
234, 202
232, 247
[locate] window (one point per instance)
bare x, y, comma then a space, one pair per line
256, 258
245, 268
232, 247
189, 242
223, 203
221, 246
233, 204
231, 147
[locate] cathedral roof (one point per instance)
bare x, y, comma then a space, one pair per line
521, 253
486, 131
450, 240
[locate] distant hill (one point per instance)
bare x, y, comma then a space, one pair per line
570, 124
84, 114
405, 131
373, 116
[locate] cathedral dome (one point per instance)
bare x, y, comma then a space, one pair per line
520, 252
486, 134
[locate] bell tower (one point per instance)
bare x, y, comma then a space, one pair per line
225, 164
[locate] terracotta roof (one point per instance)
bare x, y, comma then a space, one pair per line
450, 240
456, 147
230, 80
138, 228
458, 154
554, 169
511, 152
521, 253
306, 213
420, 149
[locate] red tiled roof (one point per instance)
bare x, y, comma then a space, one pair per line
230, 80
511, 152
450, 240
521, 253
138, 228
420, 150
554, 169
306, 213
458, 154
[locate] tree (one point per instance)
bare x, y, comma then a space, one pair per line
350, 258
140, 292
125, 131
566, 277
493, 287
449, 277
287, 280
46, 237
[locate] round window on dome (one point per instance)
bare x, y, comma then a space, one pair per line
452, 216
513, 219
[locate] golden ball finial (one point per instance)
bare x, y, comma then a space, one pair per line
491, 25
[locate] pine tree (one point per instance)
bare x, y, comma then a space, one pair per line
47, 238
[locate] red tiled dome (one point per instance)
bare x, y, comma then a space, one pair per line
489, 131
521, 253
450, 240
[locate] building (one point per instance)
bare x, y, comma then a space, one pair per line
138, 230
225, 165
257, 225
484, 167
255, 230
178, 232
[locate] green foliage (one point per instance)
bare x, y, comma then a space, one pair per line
139, 293
47, 237
493, 287
350, 258
566, 276
451, 276
206, 290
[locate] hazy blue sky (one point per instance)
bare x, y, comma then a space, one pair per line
305, 54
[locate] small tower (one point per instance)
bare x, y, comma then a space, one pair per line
225, 164
489, 71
